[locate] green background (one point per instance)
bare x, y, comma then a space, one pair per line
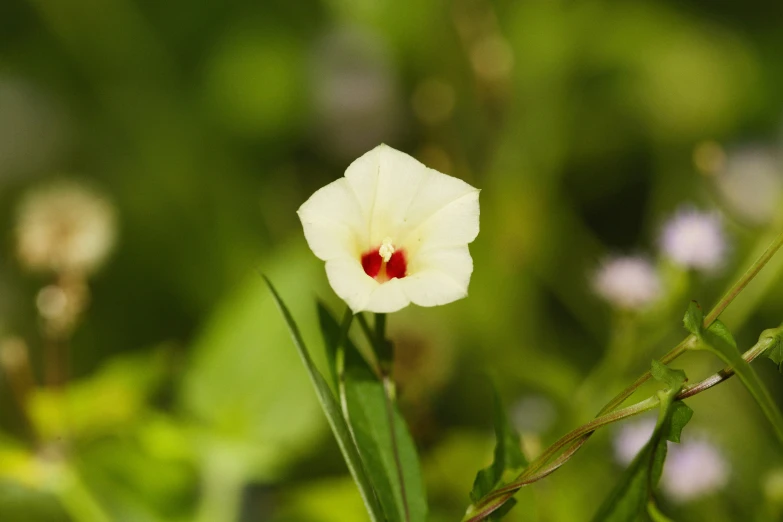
209, 123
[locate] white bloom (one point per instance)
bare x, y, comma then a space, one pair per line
695, 240
631, 438
392, 232
693, 469
751, 182
64, 227
533, 414
627, 282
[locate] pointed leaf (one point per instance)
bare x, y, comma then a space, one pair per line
508, 459
334, 335
634, 491
719, 340
775, 345
333, 415
679, 416
368, 417
655, 513
694, 318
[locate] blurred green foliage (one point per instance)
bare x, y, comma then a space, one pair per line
586, 124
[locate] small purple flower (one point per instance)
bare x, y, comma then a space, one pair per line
695, 239
627, 282
694, 469
631, 438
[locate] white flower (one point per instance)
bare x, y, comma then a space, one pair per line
693, 469
533, 414
64, 227
631, 438
392, 232
627, 282
695, 239
751, 182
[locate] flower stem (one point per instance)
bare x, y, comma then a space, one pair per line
385, 353
578, 437
710, 318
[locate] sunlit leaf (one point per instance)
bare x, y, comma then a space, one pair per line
368, 416
719, 341
334, 415
634, 491
243, 382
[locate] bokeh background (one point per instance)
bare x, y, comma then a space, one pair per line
172, 392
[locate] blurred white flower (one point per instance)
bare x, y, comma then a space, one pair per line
631, 438
695, 239
751, 183
693, 469
392, 232
533, 414
64, 227
627, 282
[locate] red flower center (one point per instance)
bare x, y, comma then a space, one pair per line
375, 267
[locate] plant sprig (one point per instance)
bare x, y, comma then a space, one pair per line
570, 443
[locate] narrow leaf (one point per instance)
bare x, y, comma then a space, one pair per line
718, 340
334, 336
655, 513
333, 415
775, 351
694, 318
368, 416
634, 491
680, 415
508, 459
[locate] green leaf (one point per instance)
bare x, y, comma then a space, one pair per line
634, 491
775, 350
368, 417
655, 513
508, 459
333, 415
680, 415
334, 336
719, 341
694, 318
673, 379
242, 359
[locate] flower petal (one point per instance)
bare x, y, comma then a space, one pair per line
348, 280
388, 297
386, 181
333, 222
439, 276
450, 222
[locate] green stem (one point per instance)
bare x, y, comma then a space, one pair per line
385, 354
498, 497
579, 436
710, 318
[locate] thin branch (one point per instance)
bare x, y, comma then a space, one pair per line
578, 437
387, 393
